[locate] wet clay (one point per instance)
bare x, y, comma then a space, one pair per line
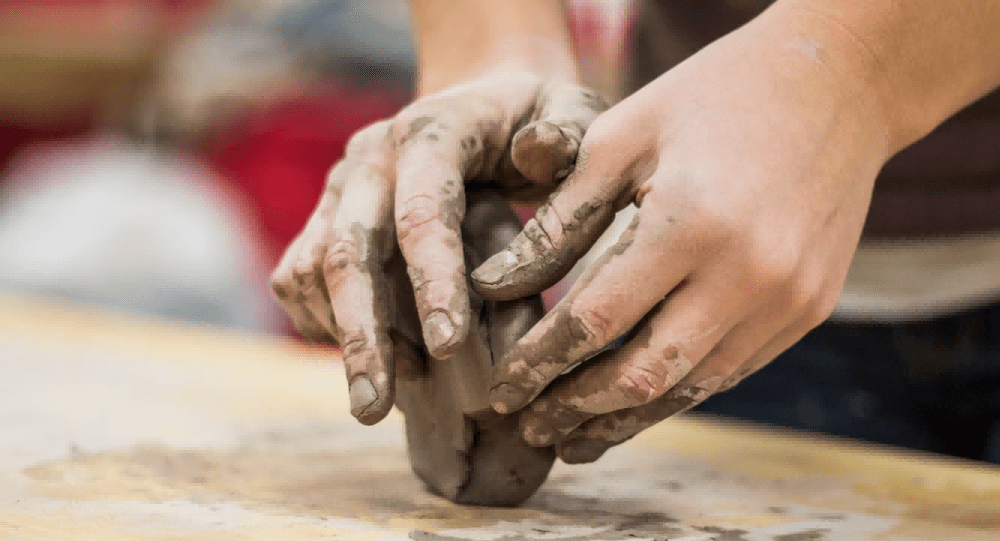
457, 445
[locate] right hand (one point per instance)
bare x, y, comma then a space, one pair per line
402, 182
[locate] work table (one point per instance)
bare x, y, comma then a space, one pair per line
115, 428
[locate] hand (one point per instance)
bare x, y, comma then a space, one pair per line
456, 443
752, 166
403, 181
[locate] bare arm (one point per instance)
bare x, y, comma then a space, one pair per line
924, 59
459, 41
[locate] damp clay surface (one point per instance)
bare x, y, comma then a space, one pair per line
457, 445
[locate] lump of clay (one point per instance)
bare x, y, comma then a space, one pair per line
458, 446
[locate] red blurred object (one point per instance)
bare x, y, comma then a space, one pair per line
91, 15
63, 23
279, 158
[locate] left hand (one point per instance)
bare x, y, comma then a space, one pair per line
752, 165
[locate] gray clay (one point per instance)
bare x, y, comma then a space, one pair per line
458, 446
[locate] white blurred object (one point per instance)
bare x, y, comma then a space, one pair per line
125, 227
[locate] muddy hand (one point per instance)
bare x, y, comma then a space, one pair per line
752, 168
402, 182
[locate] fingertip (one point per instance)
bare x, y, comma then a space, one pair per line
506, 398
581, 451
493, 271
544, 152
368, 405
503, 277
444, 332
373, 415
536, 432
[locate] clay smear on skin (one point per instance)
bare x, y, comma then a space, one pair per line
620, 426
663, 372
660, 373
560, 339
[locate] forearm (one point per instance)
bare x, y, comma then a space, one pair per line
924, 59
457, 41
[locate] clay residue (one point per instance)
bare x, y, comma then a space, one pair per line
544, 252
810, 535
267, 473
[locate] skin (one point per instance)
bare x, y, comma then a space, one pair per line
402, 184
751, 164
457, 445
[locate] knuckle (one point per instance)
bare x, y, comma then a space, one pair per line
535, 235
639, 384
565, 417
528, 376
774, 266
353, 342
281, 283
796, 294
708, 224
303, 276
822, 306
419, 118
596, 325
368, 138
416, 212
344, 251
535, 376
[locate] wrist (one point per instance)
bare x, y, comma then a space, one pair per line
835, 62
546, 57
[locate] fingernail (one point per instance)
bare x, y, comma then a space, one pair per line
506, 398
438, 329
537, 432
495, 268
583, 451
362, 394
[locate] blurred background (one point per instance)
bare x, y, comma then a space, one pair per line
156, 156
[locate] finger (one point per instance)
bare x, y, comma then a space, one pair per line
610, 298
308, 300
589, 441
545, 150
666, 346
592, 439
282, 284
553, 241
490, 224
354, 272
599, 434
430, 206
296, 275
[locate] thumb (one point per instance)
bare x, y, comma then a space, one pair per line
544, 150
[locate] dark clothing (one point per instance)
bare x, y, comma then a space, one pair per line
933, 386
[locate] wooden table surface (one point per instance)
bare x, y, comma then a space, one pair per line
113, 428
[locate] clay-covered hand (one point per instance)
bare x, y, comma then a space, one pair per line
752, 166
457, 445
402, 182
